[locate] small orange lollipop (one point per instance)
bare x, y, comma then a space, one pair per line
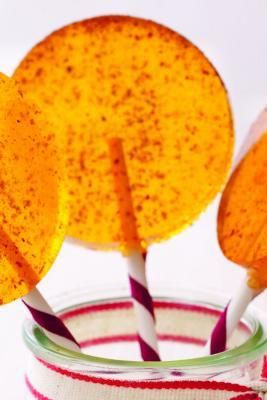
150, 87
242, 230
242, 219
32, 196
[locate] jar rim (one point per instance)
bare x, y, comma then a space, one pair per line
44, 348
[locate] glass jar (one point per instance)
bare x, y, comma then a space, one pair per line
110, 368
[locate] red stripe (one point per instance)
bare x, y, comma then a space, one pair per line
264, 368
108, 339
128, 305
207, 385
247, 396
34, 392
186, 307
96, 308
134, 338
182, 339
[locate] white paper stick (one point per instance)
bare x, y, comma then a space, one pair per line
143, 306
230, 318
45, 317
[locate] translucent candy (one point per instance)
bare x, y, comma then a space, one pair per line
122, 188
32, 195
147, 85
242, 227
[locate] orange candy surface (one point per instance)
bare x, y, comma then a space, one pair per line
32, 196
122, 188
242, 227
147, 85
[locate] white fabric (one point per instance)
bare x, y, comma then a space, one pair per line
169, 321
54, 386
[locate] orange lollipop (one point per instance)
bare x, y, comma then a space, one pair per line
242, 227
32, 208
150, 87
32, 196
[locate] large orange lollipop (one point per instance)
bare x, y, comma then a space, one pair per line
32, 196
145, 84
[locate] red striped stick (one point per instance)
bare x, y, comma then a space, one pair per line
136, 259
52, 325
230, 318
41, 312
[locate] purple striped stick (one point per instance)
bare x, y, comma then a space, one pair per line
36, 304
143, 304
45, 317
136, 259
229, 318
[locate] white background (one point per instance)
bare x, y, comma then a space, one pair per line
233, 34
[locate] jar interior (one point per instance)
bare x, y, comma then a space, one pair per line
108, 329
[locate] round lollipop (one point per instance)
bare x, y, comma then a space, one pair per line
135, 80
32, 206
242, 229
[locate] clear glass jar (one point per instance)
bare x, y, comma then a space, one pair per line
103, 323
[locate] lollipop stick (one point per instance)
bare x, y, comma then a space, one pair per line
136, 257
41, 312
230, 318
45, 317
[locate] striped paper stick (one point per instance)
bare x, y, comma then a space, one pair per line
136, 259
36, 304
45, 317
230, 318
143, 304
